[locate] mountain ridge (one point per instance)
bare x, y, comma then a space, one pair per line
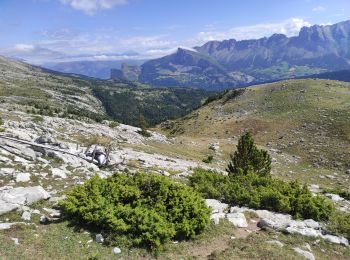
314, 50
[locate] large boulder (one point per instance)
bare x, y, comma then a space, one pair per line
216, 206
271, 220
305, 254
237, 219
13, 198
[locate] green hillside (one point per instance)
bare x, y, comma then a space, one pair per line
307, 119
44, 92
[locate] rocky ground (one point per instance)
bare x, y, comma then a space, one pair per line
41, 160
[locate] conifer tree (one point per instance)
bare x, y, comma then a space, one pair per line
249, 158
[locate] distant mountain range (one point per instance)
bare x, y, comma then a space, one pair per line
95, 69
342, 75
231, 63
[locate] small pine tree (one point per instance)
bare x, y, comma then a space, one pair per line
249, 158
143, 125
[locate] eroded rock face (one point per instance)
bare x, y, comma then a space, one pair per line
20, 150
13, 198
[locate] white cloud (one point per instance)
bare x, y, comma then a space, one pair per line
24, 47
319, 8
288, 27
90, 7
106, 44
30, 52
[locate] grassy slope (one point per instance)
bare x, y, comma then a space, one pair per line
27, 85
306, 121
123, 101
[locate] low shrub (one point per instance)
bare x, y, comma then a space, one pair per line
1, 121
113, 124
145, 209
144, 132
37, 119
208, 159
339, 223
261, 192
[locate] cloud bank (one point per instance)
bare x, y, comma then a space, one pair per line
106, 44
90, 7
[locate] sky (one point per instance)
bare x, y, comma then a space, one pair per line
42, 31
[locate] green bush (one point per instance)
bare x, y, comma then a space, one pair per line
339, 223
261, 192
37, 119
249, 158
113, 124
145, 209
1, 121
208, 159
144, 132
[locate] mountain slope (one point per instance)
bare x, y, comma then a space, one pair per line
307, 118
95, 69
190, 68
31, 88
46, 92
342, 75
316, 49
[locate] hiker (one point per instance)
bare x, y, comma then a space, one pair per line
99, 154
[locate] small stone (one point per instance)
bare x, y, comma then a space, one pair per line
15, 239
308, 247
99, 238
26, 215
22, 177
304, 253
275, 242
214, 147
117, 250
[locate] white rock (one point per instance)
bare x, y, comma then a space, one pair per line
273, 220
13, 198
18, 149
275, 242
216, 206
334, 197
26, 215
215, 217
59, 173
117, 250
22, 177
237, 209
8, 225
7, 171
336, 240
15, 240
237, 219
304, 253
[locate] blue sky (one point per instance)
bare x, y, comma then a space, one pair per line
66, 30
